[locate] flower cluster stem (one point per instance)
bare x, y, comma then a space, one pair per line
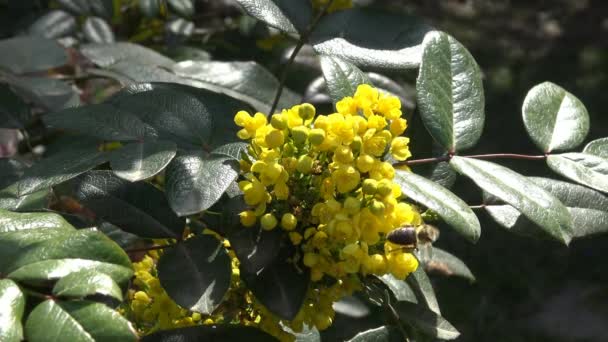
475, 156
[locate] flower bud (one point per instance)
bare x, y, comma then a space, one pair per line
384, 187
289, 221
274, 138
343, 155
377, 208
305, 164
268, 221
352, 205
310, 259
306, 111
356, 144
278, 121
316, 136
370, 186
247, 218
299, 134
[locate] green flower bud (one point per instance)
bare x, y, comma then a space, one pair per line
316, 136
288, 221
377, 207
305, 164
356, 144
370, 186
306, 111
352, 205
384, 187
278, 121
268, 221
299, 134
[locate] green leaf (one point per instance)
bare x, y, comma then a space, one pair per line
97, 30
103, 121
195, 182
554, 118
400, 289
79, 7
452, 209
245, 81
10, 221
442, 174
32, 202
280, 287
56, 169
10, 171
226, 332
196, 273
534, 202
53, 321
425, 320
184, 8
105, 55
48, 93
598, 147
351, 306
450, 93
582, 168
180, 27
422, 287
232, 150
14, 113
12, 302
25, 54
255, 248
290, 16
138, 208
371, 38
87, 283
54, 24
342, 77
102, 8
447, 264
384, 333
142, 160
150, 8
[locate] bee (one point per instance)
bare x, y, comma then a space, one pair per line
405, 236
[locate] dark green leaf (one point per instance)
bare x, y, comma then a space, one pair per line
232, 150
184, 8
255, 248
10, 171
246, 81
280, 287
97, 30
55, 24
422, 287
77, 6
26, 54
142, 160
49, 93
371, 38
102, 8
196, 273
14, 113
450, 93
582, 168
342, 77
180, 27
452, 209
32, 202
291, 16
400, 289
534, 202
385, 333
442, 174
12, 302
227, 332
103, 121
87, 283
56, 169
53, 321
598, 147
195, 182
105, 55
425, 320
150, 8
554, 118
124, 239
447, 264
186, 53
138, 208
10, 221
351, 306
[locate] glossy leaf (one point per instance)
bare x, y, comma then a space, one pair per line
105, 55
400, 289
227, 332
12, 302
582, 168
291, 16
14, 112
138, 208
26, 54
384, 333
554, 118
371, 38
598, 147
425, 320
351, 306
255, 248
246, 81
48, 93
80, 321
196, 273
141, 160
56, 169
54, 24
442, 174
232, 150
184, 8
76, 6
33, 202
87, 283
538, 205
422, 287
452, 209
447, 264
150, 8
97, 30
10, 221
102, 8
450, 93
180, 27
341, 77
195, 182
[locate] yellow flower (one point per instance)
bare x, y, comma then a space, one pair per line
346, 178
398, 126
400, 149
254, 192
247, 218
389, 106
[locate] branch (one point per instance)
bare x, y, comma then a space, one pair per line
475, 156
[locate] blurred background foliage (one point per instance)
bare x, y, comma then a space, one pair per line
526, 289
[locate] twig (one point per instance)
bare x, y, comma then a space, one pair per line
475, 156
303, 39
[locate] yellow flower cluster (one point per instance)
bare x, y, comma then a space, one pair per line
335, 6
323, 180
